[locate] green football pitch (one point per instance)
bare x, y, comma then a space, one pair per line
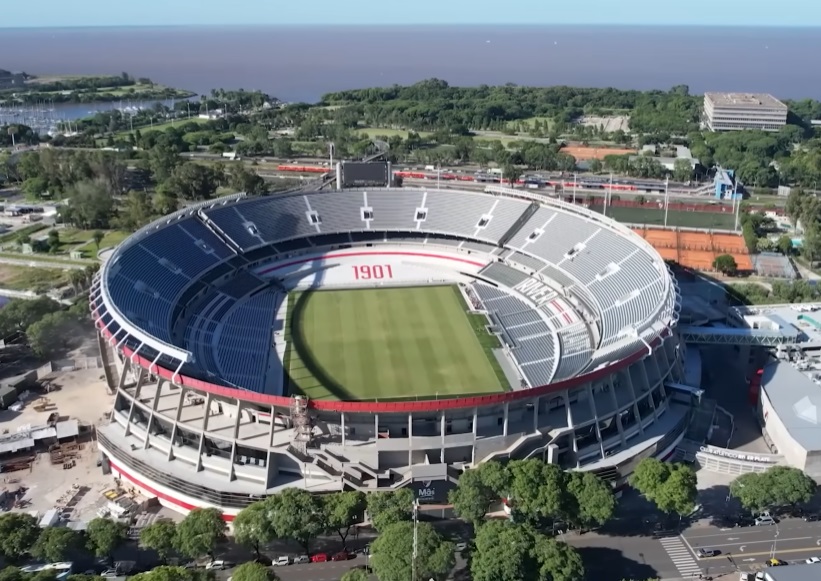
398, 343
650, 216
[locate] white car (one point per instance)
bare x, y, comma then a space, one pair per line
764, 521
281, 561
218, 565
813, 560
302, 559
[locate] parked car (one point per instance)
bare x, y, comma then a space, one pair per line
776, 562
763, 521
811, 517
302, 559
281, 561
343, 556
110, 573
813, 560
219, 565
703, 553
319, 558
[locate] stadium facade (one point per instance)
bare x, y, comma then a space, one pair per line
190, 311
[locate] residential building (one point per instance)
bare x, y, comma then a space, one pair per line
738, 111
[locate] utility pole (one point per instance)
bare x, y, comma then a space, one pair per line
331, 149
666, 199
415, 538
608, 194
575, 181
438, 176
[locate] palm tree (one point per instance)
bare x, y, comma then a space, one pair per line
77, 279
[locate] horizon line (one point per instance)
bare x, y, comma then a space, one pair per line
419, 24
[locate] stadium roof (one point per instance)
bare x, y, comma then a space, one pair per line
796, 398
800, 572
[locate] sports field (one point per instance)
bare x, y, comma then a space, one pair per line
398, 343
655, 217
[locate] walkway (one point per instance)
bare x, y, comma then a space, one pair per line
681, 556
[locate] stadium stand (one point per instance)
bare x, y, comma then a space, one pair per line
243, 341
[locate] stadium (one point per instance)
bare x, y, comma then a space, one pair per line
378, 338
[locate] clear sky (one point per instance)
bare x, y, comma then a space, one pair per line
47, 13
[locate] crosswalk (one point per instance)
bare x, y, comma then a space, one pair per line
681, 556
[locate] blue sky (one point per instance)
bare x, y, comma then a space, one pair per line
37, 13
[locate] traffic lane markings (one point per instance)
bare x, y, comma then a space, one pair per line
752, 542
736, 556
752, 531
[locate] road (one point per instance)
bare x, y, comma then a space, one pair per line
793, 540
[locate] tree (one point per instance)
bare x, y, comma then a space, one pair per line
670, 486
135, 212
166, 573
391, 553
52, 333
19, 314
558, 561
750, 236
595, 165
162, 160
56, 544
242, 180
192, 181
90, 206
297, 514
357, 574
784, 245
472, 497
504, 552
252, 571
537, 489
725, 264
104, 536
199, 532
387, 508
18, 533
159, 536
592, 499
682, 170
53, 240
511, 174
778, 486
678, 494
509, 552
343, 510
97, 236
790, 486
253, 526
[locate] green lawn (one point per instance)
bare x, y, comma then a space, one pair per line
655, 217
394, 343
27, 278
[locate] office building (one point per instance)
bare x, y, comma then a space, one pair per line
738, 111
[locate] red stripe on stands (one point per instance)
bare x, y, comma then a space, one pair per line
161, 495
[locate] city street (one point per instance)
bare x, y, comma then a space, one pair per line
791, 540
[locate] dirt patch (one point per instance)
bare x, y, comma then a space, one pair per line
609, 124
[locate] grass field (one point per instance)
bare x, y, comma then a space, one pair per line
27, 278
655, 217
399, 343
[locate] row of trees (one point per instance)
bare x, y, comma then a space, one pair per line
537, 492
21, 535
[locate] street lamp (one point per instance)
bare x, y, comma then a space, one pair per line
415, 538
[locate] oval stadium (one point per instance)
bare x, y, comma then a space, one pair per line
378, 338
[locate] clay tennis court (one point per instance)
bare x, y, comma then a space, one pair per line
697, 250
584, 153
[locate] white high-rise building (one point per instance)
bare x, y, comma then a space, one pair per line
738, 111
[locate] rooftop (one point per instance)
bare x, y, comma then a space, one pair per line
745, 100
796, 398
801, 572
